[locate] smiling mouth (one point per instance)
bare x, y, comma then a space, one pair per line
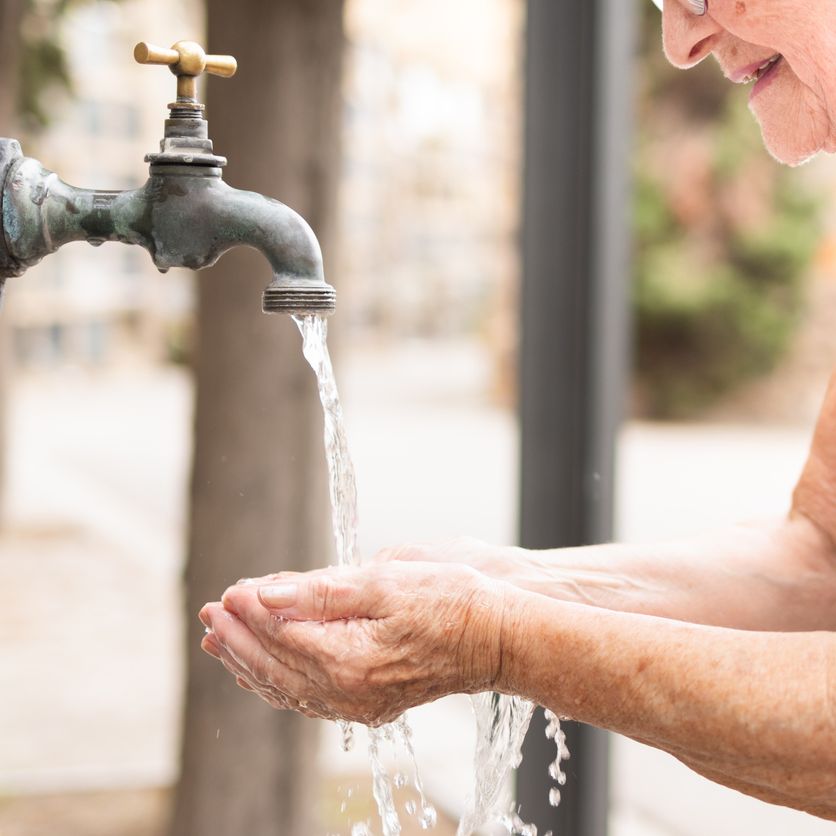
761, 71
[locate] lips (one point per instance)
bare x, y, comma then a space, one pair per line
763, 69
765, 78
755, 71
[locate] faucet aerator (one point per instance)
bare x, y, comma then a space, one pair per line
299, 297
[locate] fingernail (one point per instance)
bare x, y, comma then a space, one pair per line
204, 618
229, 604
210, 646
280, 596
245, 581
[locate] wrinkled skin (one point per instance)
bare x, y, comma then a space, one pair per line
361, 644
797, 112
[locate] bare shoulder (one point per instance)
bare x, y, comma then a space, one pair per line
815, 493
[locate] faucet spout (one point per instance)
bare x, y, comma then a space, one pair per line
287, 242
185, 216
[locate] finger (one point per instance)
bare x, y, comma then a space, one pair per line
209, 644
293, 650
325, 596
258, 665
272, 695
303, 646
203, 615
245, 678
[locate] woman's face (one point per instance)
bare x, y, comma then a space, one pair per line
793, 97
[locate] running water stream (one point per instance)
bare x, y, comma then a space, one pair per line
501, 721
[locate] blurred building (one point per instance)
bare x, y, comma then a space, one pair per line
429, 209
430, 193
430, 198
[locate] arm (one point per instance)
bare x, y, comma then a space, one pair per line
754, 711
756, 577
759, 577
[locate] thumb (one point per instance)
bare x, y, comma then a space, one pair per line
324, 597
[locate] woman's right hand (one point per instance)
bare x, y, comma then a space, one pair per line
505, 563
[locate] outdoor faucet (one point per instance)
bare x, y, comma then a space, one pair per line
185, 215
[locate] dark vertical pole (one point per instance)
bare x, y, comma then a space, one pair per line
574, 329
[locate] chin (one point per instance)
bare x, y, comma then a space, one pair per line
785, 146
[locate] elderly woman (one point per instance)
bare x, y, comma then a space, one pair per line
721, 650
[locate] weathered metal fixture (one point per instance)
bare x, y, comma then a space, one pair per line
185, 215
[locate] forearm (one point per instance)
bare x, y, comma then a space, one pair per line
778, 577
751, 710
760, 577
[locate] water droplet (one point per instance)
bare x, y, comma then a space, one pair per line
400, 780
410, 807
428, 817
561, 779
360, 828
554, 796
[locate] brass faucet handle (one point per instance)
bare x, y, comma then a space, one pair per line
187, 60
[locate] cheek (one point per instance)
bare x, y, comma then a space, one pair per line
785, 26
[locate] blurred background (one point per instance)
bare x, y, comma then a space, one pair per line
732, 289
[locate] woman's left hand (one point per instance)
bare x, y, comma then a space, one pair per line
360, 644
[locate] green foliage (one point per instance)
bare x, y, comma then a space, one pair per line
723, 238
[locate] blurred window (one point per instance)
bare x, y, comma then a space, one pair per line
124, 120
115, 119
91, 116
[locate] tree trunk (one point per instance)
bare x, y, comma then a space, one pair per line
258, 480
11, 14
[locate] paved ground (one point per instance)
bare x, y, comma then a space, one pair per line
96, 488
144, 812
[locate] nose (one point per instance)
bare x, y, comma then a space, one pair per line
687, 38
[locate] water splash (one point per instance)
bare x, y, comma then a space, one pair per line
501, 724
501, 721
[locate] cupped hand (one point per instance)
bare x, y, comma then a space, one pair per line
360, 644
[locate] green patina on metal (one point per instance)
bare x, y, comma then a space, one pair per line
184, 216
